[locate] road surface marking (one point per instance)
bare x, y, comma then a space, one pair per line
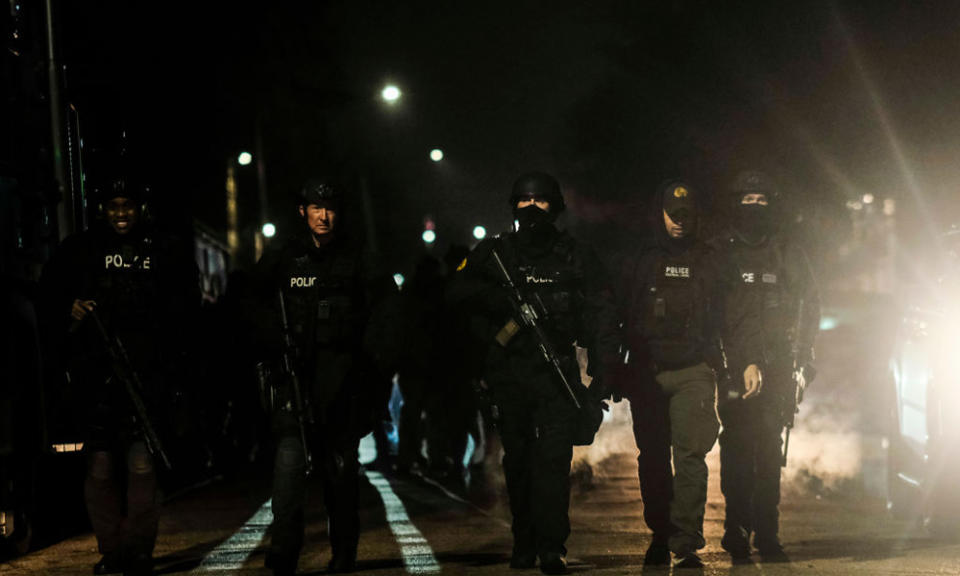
417, 555
233, 553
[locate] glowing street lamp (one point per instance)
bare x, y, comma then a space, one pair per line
269, 230
436, 154
245, 158
429, 236
390, 94
479, 232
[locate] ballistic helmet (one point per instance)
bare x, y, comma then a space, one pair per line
538, 185
754, 182
316, 191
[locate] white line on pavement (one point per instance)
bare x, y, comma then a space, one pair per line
417, 555
233, 553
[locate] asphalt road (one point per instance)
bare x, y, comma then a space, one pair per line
834, 519
415, 526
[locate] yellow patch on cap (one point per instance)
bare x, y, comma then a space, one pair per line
680, 192
462, 265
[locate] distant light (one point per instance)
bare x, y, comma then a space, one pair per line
479, 232
854, 205
868, 198
429, 224
269, 230
436, 154
390, 93
889, 206
516, 225
399, 279
828, 323
244, 158
429, 236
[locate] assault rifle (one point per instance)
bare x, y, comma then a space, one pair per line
528, 315
290, 376
123, 371
792, 407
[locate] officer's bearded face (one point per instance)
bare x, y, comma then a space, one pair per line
321, 218
675, 230
122, 214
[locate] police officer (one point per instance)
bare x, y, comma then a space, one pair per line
773, 278
538, 421
323, 278
141, 290
671, 289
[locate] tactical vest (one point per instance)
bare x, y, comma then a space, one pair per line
670, 309
763, 284
553, 284
125, 286
322, 296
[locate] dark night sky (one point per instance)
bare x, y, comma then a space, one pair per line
836, 99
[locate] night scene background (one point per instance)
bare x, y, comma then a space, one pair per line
852, 107
837, 100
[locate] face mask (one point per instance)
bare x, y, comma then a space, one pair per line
532, 217
754, 220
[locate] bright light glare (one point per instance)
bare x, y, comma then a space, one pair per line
436, 154
269, 230
868, 198
390, 93
399, 279
479, 232
244, 158
429, 236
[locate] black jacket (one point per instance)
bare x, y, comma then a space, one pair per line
772, 277
562, 274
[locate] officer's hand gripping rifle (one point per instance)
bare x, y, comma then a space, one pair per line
799, 383
290, 375
123, 371
528, 315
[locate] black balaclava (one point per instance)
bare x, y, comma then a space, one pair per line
535, 228
754, 222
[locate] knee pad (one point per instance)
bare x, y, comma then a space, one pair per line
100, 465
139, 460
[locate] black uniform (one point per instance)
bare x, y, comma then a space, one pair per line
774, 278
145, 293
673, 291
537, 419
327, 298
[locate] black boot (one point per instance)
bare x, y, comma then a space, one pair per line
658, 553
553, 563
139, 565
110, 564
342, 563
737, 543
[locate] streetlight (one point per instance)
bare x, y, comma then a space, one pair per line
244, 159
479, 232
390, 94
429, 236
269, 230
436, 154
